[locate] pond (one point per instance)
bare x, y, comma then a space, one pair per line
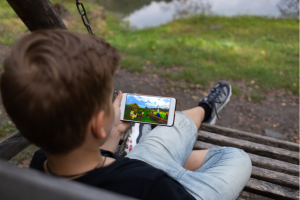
147, 13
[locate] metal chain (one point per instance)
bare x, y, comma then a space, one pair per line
84, 17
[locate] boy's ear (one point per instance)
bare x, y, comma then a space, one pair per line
97, 125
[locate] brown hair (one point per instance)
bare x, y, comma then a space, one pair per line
54, 82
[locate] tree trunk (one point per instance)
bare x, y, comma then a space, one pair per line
37, 14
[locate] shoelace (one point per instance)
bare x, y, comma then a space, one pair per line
213, 98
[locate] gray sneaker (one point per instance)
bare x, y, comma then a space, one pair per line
217, 99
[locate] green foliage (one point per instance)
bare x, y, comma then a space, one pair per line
256, 96
235, 90
6, 129
10, 24
132, 63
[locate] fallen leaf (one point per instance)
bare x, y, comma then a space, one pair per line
153, 47
253, 81
195, 98
274, 125
148, 62
249, 99
263, 52
184, 91
283, 104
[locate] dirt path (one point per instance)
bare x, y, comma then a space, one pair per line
279, 114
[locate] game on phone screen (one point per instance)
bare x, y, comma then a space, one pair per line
147, 109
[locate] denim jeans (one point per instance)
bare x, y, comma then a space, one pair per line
225, 170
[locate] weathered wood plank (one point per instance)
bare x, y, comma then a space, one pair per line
259, 161
259, 149
12, 145
275, 177
265, 174
37, 14
250, 137
19, 184
271, 190
274, 165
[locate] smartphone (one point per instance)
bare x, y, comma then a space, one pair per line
148, 109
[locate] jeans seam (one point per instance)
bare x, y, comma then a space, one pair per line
216, 159
181, 173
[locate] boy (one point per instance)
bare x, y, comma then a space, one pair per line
57, 88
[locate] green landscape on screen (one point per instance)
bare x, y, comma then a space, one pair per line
147, 109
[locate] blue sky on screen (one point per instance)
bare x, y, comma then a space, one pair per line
146, 101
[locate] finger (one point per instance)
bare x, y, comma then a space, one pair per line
123, 126
117, 101
126, 124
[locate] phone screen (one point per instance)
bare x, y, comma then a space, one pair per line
147, 109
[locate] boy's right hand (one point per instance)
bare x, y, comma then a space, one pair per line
119, 126
118, 129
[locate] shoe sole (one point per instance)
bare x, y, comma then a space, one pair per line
213, 121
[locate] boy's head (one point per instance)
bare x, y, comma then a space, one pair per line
54, 82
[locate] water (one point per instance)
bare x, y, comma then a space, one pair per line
147, 13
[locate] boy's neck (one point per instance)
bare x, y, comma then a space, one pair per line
76, 162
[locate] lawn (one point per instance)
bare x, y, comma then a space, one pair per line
204, 48
256, 49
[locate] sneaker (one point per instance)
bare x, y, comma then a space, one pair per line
138, 133
217, 99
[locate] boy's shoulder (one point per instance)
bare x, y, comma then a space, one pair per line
122, 167
38, 159
126, 176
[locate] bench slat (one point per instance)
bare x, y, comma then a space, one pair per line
259, 161
12, 145
271, 190
267, 175
275, 177
250, 137
259, 149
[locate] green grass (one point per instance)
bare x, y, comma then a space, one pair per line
256, 96
10, 25
252, 48
235, 90
6, 128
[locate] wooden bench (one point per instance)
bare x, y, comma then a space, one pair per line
275, 172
